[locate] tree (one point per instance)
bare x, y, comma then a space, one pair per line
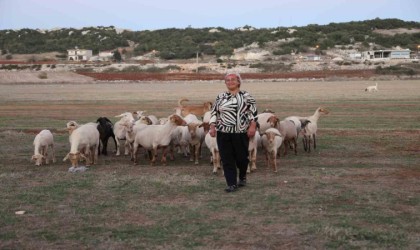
117, 56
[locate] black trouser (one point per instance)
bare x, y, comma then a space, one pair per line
233, 149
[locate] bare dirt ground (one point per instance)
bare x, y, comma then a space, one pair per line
358, 189
365, 74
23, 77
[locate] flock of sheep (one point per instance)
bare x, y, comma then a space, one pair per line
184, 132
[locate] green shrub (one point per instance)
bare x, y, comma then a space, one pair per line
394, 70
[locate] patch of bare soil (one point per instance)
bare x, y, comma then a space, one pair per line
30, 77
203, 76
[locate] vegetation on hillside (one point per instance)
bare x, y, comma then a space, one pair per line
186, 43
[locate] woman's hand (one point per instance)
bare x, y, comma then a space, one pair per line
252, 129
212, 130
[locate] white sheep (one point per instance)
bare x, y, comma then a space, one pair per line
263, 121
84, 143
309, 132
153, 137
43, 140
271, 141
372, 88
288, 131
252, 150
195, 140
131, 131
120, 130
211, 143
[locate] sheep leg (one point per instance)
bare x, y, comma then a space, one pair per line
191, 147
134, 155
253, 160
154, 154
197, 153
304, 142
118, 146
99, 148
104, 146
171, 152
53, 153
273, 161
126, 147
45, 155
309, 143
163, 160
286, 144
314, 141
95, 153
295, 145
214, 156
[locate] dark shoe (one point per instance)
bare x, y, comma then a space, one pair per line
230, 189
242, 183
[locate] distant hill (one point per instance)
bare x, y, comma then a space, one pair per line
215, 41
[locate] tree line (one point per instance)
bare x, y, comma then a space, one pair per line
185, 43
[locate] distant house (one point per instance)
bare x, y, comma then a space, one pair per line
386, 54
312, 57
77, 54
106, 55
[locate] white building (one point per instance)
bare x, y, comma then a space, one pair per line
386, 54
106, 55
79, 54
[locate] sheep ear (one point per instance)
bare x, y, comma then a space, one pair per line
66, 157
83, 156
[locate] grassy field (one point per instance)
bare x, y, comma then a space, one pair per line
358, 190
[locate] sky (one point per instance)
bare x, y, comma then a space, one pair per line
138, 15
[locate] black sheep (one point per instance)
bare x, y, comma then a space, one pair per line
106, 130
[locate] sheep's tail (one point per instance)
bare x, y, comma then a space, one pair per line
180, 101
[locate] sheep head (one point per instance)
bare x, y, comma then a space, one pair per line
139, 113
38, 159
323, 110
74, 158
71, 126
145, 120
192, 129
177, 120
208, 105
205, 126
273, 121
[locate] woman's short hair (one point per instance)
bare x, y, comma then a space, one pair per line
236, 74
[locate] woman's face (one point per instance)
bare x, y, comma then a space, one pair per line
232, 82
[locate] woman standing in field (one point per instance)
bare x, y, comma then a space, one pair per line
233, 119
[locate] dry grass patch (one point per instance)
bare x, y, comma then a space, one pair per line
358, 189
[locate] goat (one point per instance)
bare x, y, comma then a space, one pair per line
309, 131
211, 143
106, 130
198, 110
252, 150
372, 88
43, 140
84, 143
153, 136
271, 141
120, 132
